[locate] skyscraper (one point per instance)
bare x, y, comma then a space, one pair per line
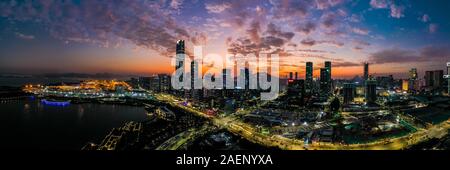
366, 71
413, 74
413, 79
438, 78
226, 72
193, 72
405, 85
349, 92
296, 91
328, 67
309, 77
324, 84
247, 79
429, 79
325, 78
190, 92
296, 75
180, 47
224, 76
371, 91
434, 79
180, 50
164, 82
291, 76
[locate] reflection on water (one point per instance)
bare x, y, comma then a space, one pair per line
29, 124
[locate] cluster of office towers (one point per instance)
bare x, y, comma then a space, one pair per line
370, 94
307, 86
325, 82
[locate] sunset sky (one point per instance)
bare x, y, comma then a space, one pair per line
138, 37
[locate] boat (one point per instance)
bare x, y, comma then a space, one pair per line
54, 102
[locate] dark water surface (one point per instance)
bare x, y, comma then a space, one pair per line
29, 124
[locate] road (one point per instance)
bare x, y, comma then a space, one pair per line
236, 126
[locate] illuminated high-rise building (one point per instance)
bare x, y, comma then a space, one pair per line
325, 78
328, 67
296, 91
180, 47
324, 83
196, 94
179, 51
413, 76
405, 85
164, 82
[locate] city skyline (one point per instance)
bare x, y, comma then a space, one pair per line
139, 37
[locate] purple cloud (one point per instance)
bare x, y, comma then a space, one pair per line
308, 42
325, 4
24, 36
425, 18
425, 54
312, 42
272, 29
397, 11
306, 28
290, 8
393, 56
145, 23
217, 7
176, 4
328, 20
432, 28
379, 4
360, 31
